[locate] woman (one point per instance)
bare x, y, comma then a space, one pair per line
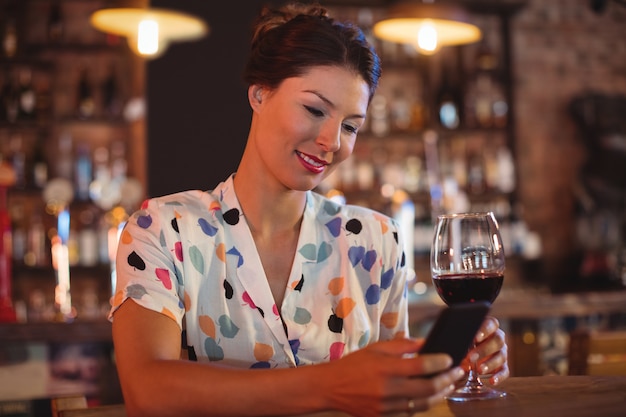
263, 273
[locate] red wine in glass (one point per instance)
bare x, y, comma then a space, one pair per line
463, 288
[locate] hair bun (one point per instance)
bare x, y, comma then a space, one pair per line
271, 18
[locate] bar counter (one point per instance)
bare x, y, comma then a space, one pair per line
543, 396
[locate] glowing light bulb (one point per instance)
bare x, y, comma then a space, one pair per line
148, 37
427, 41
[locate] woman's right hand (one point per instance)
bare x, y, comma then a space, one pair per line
388, 378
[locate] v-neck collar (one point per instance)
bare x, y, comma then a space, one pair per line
249, 270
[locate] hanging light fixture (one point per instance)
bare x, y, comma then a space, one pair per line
149, 31
427, 25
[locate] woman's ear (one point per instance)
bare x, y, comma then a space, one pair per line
255, 95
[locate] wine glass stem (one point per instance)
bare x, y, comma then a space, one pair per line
473, 379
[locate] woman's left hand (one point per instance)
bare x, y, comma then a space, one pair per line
490, 352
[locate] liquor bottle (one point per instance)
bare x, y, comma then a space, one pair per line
39, 167
10, 39
88, 239
506, 170
400, 111
3, 83
119, 164
27, 95
379, 115
64, 163
18, 160
10, 100
83, 171
36, 254
85, 105
111, 101
20, 231
55, 23
486, 102
7, 311
476, 182
449, 98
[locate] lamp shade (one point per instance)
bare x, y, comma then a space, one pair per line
414, 23
149, 31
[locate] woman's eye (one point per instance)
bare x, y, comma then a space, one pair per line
315, 112
350, 128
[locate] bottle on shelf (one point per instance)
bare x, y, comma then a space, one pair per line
111, 100
400, 111
3, 91
36, 254
88, 251
10, 38
7, 310
27, 95
448, 101
506, 170
20, 231
486, 104
64, 162
476, 181
10, 100
379, 115
85, 102
39, 167
83, 171
55, 27
18, 159
119, 164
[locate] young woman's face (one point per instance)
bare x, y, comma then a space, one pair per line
308, 125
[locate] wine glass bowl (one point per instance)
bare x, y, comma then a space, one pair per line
467, 265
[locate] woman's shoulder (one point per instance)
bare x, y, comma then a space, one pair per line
195, 199
179, 204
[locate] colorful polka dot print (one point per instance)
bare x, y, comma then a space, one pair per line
191, 257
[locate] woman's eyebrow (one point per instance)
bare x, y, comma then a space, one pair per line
331, 104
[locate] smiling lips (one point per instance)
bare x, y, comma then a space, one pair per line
311, 163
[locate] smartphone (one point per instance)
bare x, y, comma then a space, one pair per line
454, 330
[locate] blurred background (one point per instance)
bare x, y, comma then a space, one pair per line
528, 121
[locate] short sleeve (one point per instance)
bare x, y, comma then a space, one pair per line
145, 263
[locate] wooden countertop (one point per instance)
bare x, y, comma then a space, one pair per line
547, 396
542, 396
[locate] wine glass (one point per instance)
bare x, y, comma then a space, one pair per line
467, 265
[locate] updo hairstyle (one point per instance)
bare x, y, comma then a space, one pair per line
289, 40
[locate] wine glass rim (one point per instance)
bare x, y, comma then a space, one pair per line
470, 214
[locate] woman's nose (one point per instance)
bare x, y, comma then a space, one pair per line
329, 137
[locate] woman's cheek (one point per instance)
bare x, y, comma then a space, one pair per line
347, 146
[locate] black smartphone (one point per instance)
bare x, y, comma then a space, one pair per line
454, 330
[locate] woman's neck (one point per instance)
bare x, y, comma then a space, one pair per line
268, 207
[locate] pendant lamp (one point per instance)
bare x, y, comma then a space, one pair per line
149, 31
427, 25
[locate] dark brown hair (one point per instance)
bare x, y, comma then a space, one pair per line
289, 40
